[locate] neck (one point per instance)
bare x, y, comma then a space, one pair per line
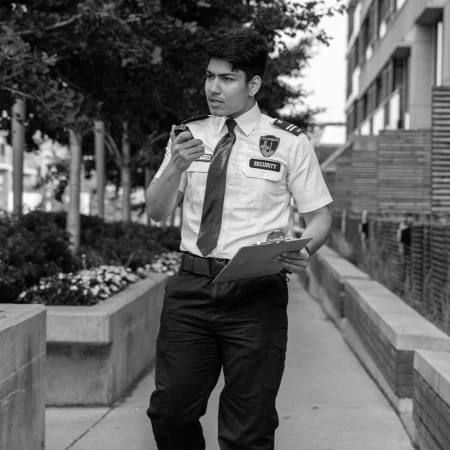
250, 104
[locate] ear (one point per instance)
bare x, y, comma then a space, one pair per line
254, 85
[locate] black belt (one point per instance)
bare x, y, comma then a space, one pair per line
208, 267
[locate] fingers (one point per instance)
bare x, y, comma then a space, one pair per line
291, 264
185, 148
188, 144
295, 256
294, 261
192, 153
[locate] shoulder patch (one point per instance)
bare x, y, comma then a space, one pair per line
193, 119
294, 129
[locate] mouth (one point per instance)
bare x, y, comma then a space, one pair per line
214, 101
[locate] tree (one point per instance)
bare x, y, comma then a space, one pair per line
124, 62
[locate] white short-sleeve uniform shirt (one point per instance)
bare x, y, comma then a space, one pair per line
268, 165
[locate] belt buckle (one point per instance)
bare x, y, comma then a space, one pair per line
216, 266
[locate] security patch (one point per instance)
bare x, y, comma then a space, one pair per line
263, 164
268, 145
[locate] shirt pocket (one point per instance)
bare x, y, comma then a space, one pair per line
261, 188
197, 173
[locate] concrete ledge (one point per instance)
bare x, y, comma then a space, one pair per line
405, 328
327, 274
384, 332
22, 377
431, 410
393, 342
95, 353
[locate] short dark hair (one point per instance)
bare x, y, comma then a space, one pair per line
245, 50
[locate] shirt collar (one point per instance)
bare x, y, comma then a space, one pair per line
247, 122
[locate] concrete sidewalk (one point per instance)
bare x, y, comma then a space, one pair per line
326, 402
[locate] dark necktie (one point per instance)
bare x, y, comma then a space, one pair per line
215, 192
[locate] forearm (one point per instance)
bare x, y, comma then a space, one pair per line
318, 227
162, 194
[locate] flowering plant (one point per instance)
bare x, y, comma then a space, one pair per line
89, 286
168, 263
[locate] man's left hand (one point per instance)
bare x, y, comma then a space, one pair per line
294, 261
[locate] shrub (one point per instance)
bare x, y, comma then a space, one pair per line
36, 246
30, 250
132, 245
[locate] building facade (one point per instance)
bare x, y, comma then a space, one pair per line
398, 50
397, 152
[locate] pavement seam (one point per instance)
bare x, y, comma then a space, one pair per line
82, 435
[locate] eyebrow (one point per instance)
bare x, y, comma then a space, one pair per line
222, 74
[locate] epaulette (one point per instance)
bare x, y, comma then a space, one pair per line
193, 119
294, 129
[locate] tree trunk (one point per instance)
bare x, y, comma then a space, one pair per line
99, 131
73, 214
126, 175
18, 144
148, 178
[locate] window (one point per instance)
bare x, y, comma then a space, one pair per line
378, 91
350, 23
399, 72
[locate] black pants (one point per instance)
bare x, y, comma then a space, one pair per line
238, 326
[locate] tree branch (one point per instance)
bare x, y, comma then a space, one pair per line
25, 95
55, 26
112, 146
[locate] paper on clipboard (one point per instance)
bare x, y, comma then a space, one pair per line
258, 259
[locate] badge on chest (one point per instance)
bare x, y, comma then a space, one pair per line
268, 145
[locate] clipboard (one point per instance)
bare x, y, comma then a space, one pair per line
258, 259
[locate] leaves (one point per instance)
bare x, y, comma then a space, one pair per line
141, 60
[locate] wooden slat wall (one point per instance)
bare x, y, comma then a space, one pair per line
404, 171
418, 270
439, 265
364, 171
419, 274
343, 180
440, 127
391, 271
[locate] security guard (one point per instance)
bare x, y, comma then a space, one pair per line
235, 171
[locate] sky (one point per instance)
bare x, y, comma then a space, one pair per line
325, 78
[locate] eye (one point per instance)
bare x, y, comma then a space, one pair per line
227, 79
209, 76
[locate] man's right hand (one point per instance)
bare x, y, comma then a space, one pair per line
185, 149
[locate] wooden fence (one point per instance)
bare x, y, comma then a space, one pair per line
408, 254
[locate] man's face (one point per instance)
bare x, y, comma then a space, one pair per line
227, 90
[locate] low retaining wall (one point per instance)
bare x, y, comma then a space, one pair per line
327, 273
387, 335
431, 410
22, 377
96, 353
384, 332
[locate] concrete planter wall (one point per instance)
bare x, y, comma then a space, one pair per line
432, 400
327, 273
96, 353
388, 338
385, 333
22, 377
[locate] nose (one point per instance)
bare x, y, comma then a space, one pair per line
214, 86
